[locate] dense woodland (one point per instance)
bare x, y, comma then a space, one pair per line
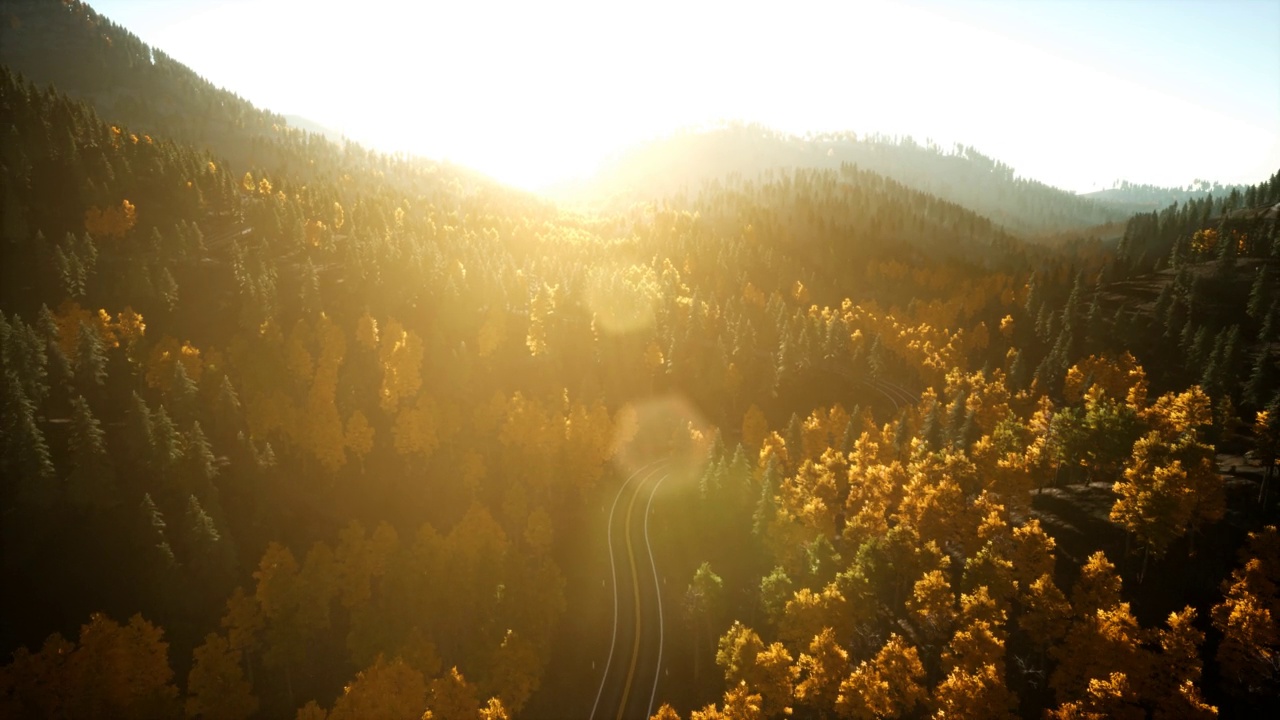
292, 429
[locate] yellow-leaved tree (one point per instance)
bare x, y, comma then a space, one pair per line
1170, 486
216, 687
383, 690
116, 671
1249, 654
890, 685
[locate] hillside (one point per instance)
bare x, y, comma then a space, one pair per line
293, 429
85, 55
962, 175
1146, 198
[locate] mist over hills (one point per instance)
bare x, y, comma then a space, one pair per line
1145, 198
962, 175
311, 126
779, 428
131, 83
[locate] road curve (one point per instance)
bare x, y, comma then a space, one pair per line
657, 669
638, 621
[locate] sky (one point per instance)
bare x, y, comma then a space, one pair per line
1075, 93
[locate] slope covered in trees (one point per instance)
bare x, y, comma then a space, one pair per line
294, 429
1145, 198
961, 175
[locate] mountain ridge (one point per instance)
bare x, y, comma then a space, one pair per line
683, 160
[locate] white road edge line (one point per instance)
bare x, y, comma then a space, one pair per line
613, 571
657, 591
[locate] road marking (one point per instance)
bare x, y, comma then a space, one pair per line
635, 588
656, 591
614, 573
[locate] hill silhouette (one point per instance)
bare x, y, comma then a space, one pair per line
962, 175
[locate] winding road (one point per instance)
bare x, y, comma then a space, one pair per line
633, 669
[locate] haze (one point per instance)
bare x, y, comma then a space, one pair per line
1075, 94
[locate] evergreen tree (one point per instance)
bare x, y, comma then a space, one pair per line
201, 539
226, 410
955, 419
794, 440
931, 426
199, 464
91, 357
70, 272
150, 535
139, 436
766, 506
1212, 379
183, 393
1263, 292
1018, 371
166, 287
1257, 389
1034, 301
25, 463
22, 351
850, 434
1225, 268
91, 481
166, 443
1270, 330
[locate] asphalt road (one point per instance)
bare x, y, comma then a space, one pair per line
633, 669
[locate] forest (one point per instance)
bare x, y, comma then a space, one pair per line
296, 429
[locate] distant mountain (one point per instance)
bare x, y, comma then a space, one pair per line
1145, 198
311, 126
962, 175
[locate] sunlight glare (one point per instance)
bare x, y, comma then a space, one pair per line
538, 94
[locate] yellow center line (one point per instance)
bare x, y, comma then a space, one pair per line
635, 587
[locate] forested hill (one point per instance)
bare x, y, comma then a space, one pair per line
88, 57
1146, 198
70, 47
960, 175
290, 429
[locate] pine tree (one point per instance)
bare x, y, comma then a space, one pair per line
16, 356
25, 463
1225, 267
157, 556
201, 539
139, 429
226, 410
1262, 294
1256, 390
931, 427
199, 463
183, 393
166, 287
91, 481
91, 358
795, 440
1270, 330
70, 270
166, 443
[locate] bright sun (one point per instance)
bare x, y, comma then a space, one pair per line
535, 93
